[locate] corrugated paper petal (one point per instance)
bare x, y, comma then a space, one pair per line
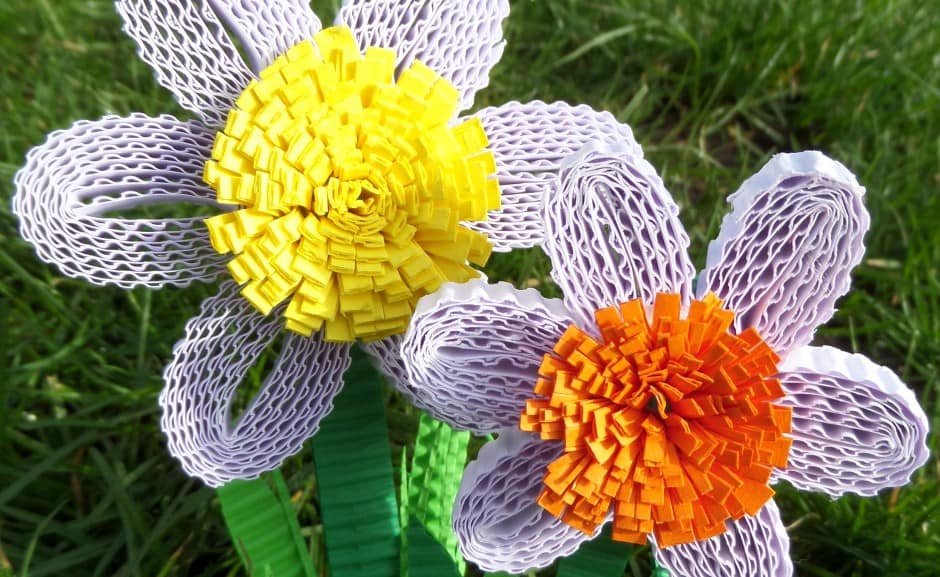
856, 427
755, 546
529, 141
473, 351
786, 251
221, 344
461, 41
190, 52
613, 233
267, 28
72, 184
498, 523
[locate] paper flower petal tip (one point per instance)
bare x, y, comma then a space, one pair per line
480, 384
856, 427
498, 524
208, 365
613, 232
786, 250
754, 546
71, 191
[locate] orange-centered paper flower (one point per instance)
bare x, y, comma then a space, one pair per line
670, 420
353, 187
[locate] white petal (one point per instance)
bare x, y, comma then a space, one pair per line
856, 427
459, 40
473, 351
387, 359
193, 56
529, 142
786, 251
69, 185
210, 362
267, 28
499, 524
755, 546
613, 233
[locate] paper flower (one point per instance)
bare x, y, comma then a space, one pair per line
347, 187
665, 415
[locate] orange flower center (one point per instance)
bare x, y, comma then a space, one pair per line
670, 421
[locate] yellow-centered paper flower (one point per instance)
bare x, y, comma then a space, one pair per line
352, 180
353, 188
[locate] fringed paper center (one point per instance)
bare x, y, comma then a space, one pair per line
668, 422
353, 188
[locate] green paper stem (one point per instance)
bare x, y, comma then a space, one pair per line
263, 527
659, 571
600, 557
436, 471
426, 556
354, 474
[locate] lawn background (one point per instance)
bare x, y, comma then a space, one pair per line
712, 88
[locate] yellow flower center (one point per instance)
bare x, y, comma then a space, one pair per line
352, 188
670, 422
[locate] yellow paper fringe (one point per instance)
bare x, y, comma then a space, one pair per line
353, 188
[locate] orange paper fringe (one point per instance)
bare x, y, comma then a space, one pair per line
671, 422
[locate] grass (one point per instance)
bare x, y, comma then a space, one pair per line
712, 88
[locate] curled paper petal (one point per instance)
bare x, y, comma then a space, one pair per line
386, 358
786, 251
499, 525
755, 546
461, 41
473, 351
70, 183
193, 57
613, 233
267, 28
220, 346
529, 141
856, 427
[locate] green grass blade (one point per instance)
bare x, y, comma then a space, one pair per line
263, 526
